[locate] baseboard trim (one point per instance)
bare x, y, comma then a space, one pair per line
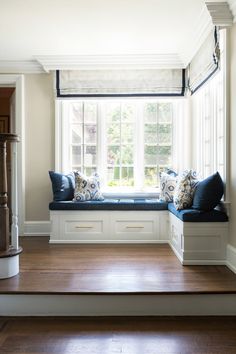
118, 305
231, 258
175, 252
204, 262
108, 241
37, 228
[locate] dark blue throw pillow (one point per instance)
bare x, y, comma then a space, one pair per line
63, 186
208, 193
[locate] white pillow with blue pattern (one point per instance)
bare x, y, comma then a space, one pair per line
87, 188
168, 184
185, 188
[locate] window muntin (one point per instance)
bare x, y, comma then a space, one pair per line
128, 142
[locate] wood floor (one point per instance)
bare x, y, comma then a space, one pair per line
127, 269
118, 335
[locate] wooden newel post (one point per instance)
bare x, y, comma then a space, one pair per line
8, 262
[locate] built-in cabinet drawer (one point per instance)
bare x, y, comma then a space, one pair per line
109, 226
135, 225
84, 226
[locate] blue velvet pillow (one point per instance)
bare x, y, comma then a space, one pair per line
63, 186
208, 193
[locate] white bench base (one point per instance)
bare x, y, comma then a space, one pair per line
198, 243
110, 226
193, 243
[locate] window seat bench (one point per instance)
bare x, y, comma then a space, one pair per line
195, 236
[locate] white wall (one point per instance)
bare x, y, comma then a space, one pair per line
232, 238
39, 144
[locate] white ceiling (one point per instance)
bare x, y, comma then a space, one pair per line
30, 28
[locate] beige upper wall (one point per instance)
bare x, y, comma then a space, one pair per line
232, 238
39, 144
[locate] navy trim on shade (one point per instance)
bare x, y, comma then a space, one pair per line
205, 80
58, 82
183, 82
59, 95
214, 71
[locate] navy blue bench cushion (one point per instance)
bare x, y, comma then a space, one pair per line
111, 204
194, 215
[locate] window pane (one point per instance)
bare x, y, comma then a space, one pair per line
128, 112
90, 134
90, 157
127, 155
164, 155
150, 176
113, 112
77, 134
164, 112
76, 155
150, 155
127, 176
113, 155
77, 112
90, 112
88, 171
127, 133
113, 176
164, 133
150, 113
113, 133
77, 168
150, 133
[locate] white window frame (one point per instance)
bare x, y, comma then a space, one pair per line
180, 152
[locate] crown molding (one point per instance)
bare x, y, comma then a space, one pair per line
220, 13
20, 66
126, 61
202, 28
232, 6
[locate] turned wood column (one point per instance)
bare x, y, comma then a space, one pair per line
5, 249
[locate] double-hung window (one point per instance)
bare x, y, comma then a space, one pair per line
127, 142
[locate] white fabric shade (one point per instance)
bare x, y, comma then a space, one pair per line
116, 82
205, 63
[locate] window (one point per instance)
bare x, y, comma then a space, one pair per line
128, 142
209, 122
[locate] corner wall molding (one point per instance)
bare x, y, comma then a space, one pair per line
220, 13
20, 66
232, 6
231, 258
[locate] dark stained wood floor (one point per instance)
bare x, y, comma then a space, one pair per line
90, 269
114, 335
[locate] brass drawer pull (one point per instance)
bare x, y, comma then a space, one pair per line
134, 227
84, 227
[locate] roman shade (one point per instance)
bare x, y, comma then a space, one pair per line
120, 82
205, 63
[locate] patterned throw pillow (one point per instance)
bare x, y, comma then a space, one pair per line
168, 184
184, 191
87, 188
